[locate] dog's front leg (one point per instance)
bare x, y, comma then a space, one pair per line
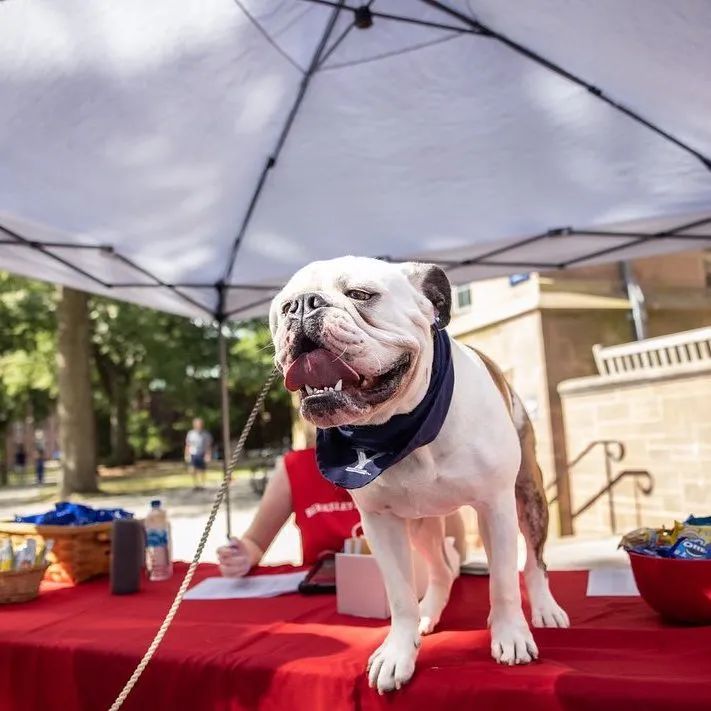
393, 663
511, 639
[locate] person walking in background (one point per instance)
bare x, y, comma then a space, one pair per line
198, 452
20, 459
39, 465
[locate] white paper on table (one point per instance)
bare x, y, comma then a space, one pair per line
615, 581
253, 586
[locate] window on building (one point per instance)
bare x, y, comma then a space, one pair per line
463, 297
515, 279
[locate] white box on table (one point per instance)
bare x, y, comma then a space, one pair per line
360, 590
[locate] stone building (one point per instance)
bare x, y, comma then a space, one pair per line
541, 329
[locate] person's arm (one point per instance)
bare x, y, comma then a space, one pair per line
186, 450
274, 509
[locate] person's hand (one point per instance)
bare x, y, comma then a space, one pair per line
235, 559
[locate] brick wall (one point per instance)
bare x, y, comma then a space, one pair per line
664, 421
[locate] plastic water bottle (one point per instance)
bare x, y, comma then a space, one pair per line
158, 547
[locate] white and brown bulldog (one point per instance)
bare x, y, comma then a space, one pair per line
416, 425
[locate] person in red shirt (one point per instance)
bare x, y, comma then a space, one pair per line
324, 514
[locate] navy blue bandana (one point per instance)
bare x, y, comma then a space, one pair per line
352, 457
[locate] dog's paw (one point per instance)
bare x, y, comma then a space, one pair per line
512, 641
427, 623
392, 664
548, 613
432, 606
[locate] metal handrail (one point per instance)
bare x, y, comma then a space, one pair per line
614, 452
637, 475
607, 443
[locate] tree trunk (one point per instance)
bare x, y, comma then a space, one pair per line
76, 411
121, 453
115, 382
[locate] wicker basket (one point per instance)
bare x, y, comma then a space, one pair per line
20, 585
79, 552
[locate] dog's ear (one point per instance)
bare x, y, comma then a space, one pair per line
434, 284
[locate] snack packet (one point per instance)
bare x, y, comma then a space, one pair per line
703, 532
44, 550
688, 540
25, 557
668, 537
639, 538
690, 549
7, 555
698, 521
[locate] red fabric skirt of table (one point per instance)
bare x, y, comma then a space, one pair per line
74, 648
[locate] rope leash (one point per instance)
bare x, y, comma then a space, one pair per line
222, 492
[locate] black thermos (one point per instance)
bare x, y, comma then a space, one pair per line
127, 555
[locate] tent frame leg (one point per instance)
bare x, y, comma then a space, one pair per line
225, 417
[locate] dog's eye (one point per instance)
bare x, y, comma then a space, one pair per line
285, 308
358, 295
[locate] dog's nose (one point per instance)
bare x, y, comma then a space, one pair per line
304, 305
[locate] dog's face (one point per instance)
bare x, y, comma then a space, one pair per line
353, 336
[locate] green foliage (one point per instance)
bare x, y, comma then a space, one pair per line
27, 348
154, 372
145, 435
168, 368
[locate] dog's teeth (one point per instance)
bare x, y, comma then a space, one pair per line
309, 390
339, 386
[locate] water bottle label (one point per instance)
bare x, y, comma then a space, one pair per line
156, 538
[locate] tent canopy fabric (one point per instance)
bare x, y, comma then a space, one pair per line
190, 156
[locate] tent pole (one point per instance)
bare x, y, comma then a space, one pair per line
225, 417
636, 298
221, 317
272, 159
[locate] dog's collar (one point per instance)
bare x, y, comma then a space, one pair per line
352, 457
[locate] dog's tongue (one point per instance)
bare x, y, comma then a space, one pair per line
319, 369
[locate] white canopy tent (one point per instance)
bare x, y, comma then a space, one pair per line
190, 156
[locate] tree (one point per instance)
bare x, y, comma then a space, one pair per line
145, 361
148, 375
252, 359
27, 351
76, 412
119, 332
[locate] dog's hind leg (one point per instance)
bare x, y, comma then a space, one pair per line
533, 520
427, 536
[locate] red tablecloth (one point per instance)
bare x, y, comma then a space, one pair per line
74, 648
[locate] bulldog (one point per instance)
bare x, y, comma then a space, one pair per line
416, 425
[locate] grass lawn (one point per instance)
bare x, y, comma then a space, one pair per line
146, 477
142, 478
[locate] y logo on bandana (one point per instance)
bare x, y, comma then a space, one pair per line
363, 460
346, 455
